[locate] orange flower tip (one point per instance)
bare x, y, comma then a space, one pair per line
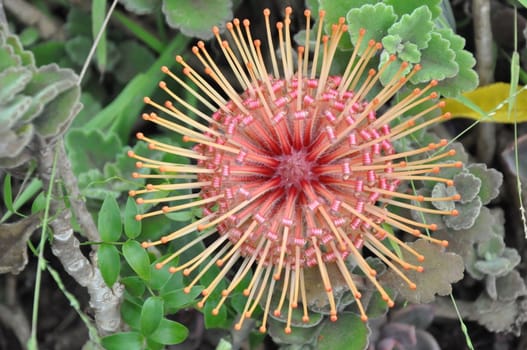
342, 247
452, 152
201, 304
371, 43
373, 273
364, 318
454, 212
138, 165
405, 266
342, 20
164, 240
219, 262
344, 28
433, 82
224, 293
433, 227
413, 286
420, 258
139, 135
145, 245
165, 209
402, 163
186, 138
432, 146
186, 71
404, 65
145, 116
138, 217
276, 313
458, 164
417, 67
441, 104
172, 269
375, 101
325, 39
162, 169
436, 170
434, 95
237, 326
276, 277
372, 72
321, 13
151, 146
416, 232
266, 12
390, 303
443, 142
307, 13
362, 31
288, 10
165, 69
159, 266
247, 314
262, 329
246, 22
186, 290
305, 319
301, 50
257, 43
294, 305
420, 269
131, 154
162, 84
246, 292
208, 71
149, 187
334, 27
205, 292
147, 99
215, 312
215, 30
139, 200
179, 59
236, 21
420, 198
444, 243
279, 25
357, 295
450, 183
410, 123
201, 44
456, 197
329, 290
378, 46
132, 193
186, 272
201, 228
392, 58
229, 26
287, 330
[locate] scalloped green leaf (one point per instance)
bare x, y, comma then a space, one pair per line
26, 57
441, 269
440, 190
109, 221
491, 181
467, 185
169, 332
109, 263
91, 149
8, 58
499, 266
468, 212
334, 10
137, 258
491, 248
414, 28
59, 113
408, 6
14, 80
437, 61
12, 112
496, 316
349, 333
376, 19
151, 314
298, 336
188, 15
13, 142
511, 286
466, 79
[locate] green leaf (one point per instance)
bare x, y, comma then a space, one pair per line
441, 269
13, 142
413, 28
151, 315
132, 227
214, 321
169, 332
13, 111
376, 19
8, 193
78, 48
349, 333
125, 340
437, 61
98, 10
134, 285
491, 181
141, 7
467, 185
14, 80
91, 149
28, 36
131, 313
59, 113
137, 258
13, 240
468, 212
48, 52
109, 263
188, 15
407, 6
109, 224
178, 299
138, 60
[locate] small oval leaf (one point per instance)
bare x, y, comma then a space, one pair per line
125, 340
151, 314
169, 332
137, 258
109, 223
109, 263
132, 227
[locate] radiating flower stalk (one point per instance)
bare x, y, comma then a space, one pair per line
295, 172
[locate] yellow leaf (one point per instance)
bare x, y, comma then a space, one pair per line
489, 104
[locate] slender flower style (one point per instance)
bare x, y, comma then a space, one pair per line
294, 173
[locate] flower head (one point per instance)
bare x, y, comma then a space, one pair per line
294, 173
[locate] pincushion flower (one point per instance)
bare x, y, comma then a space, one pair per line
295, 172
